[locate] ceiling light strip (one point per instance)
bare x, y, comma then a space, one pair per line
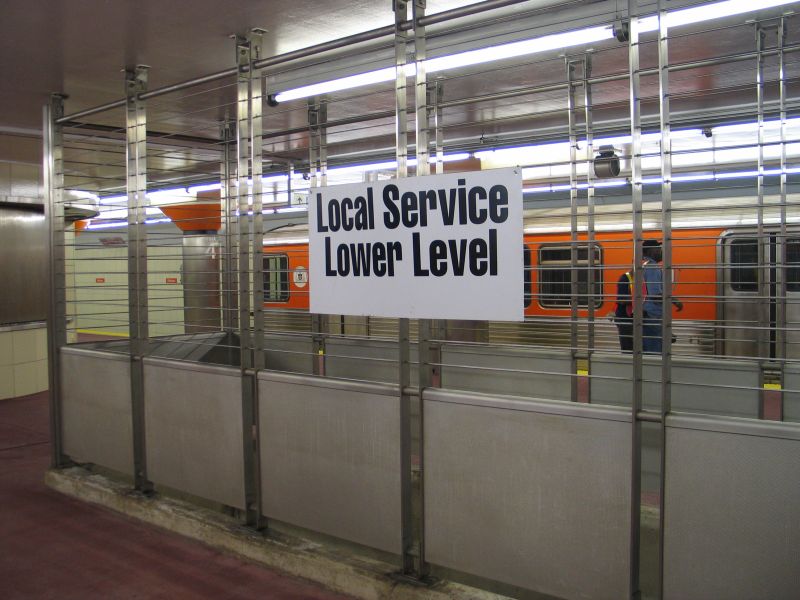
558, 41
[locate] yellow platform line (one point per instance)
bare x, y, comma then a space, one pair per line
100, 332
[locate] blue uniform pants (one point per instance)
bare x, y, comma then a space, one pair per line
651, 336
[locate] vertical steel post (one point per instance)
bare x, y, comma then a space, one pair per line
256, 174
400, 95
253, 487
666, 227
53, 176
763, 245
636, 209
318, 172
289, 176
248, 129
242, 193
410, 552
437, 96
428, 351
573, 226
228, 198
136, 156
590, 206
782, 316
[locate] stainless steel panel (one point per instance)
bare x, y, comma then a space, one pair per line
330, 457
791, 394
516, 492
23, 264
732, 528
193, 429
372, 360
512, 371
740, 312
293, 353
749, 324
201, 283
97, 423
719, 387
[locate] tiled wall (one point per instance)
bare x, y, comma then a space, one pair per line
23, 362
23, 352
101, 290
19, 180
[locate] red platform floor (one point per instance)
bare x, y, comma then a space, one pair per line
53, 546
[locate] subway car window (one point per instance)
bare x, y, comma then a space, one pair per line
793, 265
528, 294
276, 278
554, 276
744, 265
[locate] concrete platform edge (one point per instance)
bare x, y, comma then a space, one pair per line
357, 576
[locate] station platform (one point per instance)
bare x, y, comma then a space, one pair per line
53, 546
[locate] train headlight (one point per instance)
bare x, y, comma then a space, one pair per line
606, 163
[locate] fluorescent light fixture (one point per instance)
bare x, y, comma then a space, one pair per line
523, 48
206, 187
119, 213
337, 85
122, 213
118, 224
281, 177
709, 12
590, 35
658, 181
680, 178
392, 164
731, 222
462, 59
83, 195
581, 186
609, 184
111, 200
736, 175
543, 150
112, 225
598, 227
281, 241
456, 156
174, 196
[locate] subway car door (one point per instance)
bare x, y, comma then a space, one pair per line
757, 322
791, 308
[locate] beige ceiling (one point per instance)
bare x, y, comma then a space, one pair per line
79, 47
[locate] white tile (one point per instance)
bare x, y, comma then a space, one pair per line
27, 378
29, 345
41, 343
6, 348
24, 346
6, 382
43, 377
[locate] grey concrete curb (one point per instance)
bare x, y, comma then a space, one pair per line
353, 575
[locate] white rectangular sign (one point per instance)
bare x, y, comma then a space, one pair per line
434, 247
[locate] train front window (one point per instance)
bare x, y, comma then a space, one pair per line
276, 278
555, 287
743, 267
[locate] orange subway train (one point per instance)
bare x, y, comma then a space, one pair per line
731, 305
